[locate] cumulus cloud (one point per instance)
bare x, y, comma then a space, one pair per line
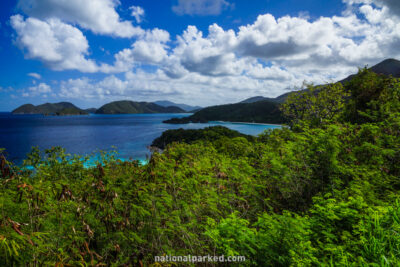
151, 48
262, 58
137, 13
200, 7
35, 75
41, 89
60, 46
98, 16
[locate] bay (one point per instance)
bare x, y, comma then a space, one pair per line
128, 134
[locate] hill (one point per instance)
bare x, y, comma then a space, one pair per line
131, 107
322, 195
260, 112
387, 67
185, 107
71, 111
266, 110
61, 108
258, 98
191, 135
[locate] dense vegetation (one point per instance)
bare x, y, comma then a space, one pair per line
323, 192
71, 111
190, 136
62, 108
260, 112
131, 107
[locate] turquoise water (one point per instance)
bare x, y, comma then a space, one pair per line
128, 134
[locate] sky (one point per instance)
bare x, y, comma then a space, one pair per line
197, 52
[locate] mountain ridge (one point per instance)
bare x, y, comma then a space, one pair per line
132, 107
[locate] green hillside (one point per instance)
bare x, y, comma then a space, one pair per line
258, 112
190, 136
324, 192
62, 108
131, 107
266, 110
71, 111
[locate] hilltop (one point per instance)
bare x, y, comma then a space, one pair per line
131, 107
61, 108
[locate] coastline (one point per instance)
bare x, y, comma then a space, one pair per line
250, 123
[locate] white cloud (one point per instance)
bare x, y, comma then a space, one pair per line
151, 48
35, 75
60, 46
98, 16
42, 89
200, 7
138, 13
221, 65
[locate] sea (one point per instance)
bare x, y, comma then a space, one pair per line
128, 134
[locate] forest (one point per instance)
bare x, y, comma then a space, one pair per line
322, 192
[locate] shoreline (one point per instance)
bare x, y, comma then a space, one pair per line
250, 123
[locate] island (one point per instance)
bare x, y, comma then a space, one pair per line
55, 109
131, 107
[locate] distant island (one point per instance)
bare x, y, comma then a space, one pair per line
131, 107
188, 108
117, 107
266, 110
56, 109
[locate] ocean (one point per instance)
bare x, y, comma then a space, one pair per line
128, 134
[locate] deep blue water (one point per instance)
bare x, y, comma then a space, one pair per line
129, 134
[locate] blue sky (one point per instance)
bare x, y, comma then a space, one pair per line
199, 52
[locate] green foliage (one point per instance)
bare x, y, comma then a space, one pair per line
62, 108
189, 136
315, 105
260, 112
131, 107
325, 195
374, 97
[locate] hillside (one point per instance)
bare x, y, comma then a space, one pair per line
62, 108
185, 107
259, 112
326, 194
387, 67
266, 110
191, 135
131, 107
71, 111
258, 98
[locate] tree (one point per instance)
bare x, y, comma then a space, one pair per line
316, 105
